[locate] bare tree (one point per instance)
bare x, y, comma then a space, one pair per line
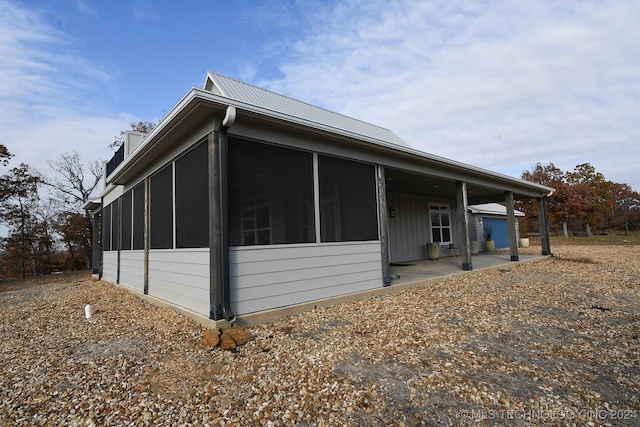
74, 182
72, 186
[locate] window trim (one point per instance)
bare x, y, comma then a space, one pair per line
440, 208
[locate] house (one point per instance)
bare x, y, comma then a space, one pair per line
492, 216
243, 201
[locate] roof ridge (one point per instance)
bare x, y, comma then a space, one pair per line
290, 98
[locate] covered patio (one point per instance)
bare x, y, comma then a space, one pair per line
418, 271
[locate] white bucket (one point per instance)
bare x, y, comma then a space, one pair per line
88, 310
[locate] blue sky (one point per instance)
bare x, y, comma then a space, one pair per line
496, 84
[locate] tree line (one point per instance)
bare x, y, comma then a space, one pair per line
49, 231
583, 202
47, 228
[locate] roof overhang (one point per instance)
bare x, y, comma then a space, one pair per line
199, 105
92, 205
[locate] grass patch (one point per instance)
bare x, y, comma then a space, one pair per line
633, 239
67, 276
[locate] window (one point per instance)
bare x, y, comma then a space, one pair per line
138, 217
161, 209
192, 199
270, 194
348, 200
440, 223
256, 222
126, 205
106, 228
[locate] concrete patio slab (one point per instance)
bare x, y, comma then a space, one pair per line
425, 270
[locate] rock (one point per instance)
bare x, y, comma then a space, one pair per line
226, 342
211, 337
239, 335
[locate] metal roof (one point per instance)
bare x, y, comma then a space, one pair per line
246, 93
491, 209
220, 93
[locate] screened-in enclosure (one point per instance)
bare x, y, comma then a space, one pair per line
272, 201
348, 202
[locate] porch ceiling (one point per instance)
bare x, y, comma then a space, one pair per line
400, 181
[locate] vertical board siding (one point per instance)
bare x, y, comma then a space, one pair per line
132, 269
272, 277
181, 277
476, 232
409, 231
110, 265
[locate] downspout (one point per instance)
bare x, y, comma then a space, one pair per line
227, 122
220, 253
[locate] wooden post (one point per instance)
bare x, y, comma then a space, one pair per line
383, 224
543, 223
463, 225
146, 235
511, 226
216, 274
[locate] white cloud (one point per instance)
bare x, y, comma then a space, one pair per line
143, 10
86, 9
500, 85
51, 101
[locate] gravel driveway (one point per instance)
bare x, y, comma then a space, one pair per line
553, 342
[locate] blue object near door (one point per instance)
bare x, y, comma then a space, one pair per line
500, 230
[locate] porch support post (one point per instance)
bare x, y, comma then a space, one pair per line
101, 267
543, 222
383, 224
218, 242
96, 243
511, 226
146, 237
118, 206
463, 225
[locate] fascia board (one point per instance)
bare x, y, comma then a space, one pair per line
188, 103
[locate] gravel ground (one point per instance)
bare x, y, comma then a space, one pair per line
547, 343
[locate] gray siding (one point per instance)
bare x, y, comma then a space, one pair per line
132, 269
110, 265
475, 228
476, 231
409, 231
181, 276
269, 277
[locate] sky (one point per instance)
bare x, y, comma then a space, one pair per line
500, 85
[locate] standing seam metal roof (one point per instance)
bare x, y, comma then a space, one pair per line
244, 92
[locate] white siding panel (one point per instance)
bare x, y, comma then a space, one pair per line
181, 277
276, 276
354, 280
132, 269
110, 265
